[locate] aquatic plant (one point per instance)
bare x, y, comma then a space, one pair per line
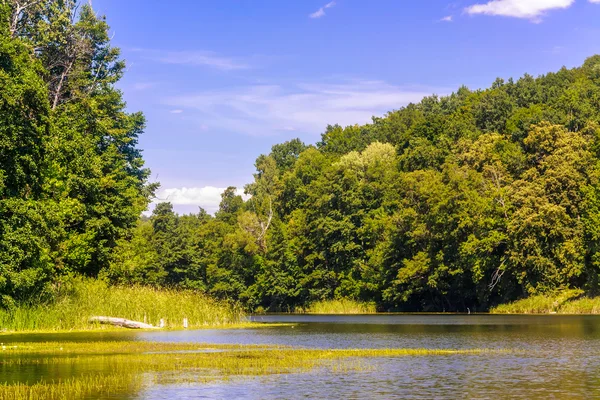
340, 306
556, 302
584, 305
123, 367
72, 308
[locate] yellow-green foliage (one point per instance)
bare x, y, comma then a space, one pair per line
341, 306
82, 387
125, 362
584, 305
542, 304
72, 309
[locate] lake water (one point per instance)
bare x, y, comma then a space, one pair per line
553, 356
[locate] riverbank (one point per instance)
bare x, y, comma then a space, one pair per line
566, 302
71, 309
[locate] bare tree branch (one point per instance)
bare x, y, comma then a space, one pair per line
18, 12
265, 226
497, 275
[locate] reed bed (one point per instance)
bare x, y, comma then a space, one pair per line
127, 367
585, 305
564, 302
340, 306
81, 387
72, 308
142, 348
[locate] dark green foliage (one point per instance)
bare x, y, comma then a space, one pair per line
459, 202
463, 201
24, 124
72, 182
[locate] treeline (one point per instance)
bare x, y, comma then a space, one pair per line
464, 201
72, 181
468, 200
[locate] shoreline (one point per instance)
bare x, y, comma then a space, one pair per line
111, 329
262, 325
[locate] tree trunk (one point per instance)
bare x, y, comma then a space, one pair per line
122, 322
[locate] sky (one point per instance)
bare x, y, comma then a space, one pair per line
221, 81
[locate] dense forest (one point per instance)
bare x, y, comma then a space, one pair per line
463, 201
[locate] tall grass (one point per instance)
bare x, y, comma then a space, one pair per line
82, 387
584, 305
340, 306
559, 302
72, 308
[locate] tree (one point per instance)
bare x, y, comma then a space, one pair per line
25, 265
453, 203
72, 177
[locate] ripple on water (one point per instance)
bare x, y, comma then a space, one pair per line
558, 357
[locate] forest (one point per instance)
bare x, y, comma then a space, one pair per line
459, 202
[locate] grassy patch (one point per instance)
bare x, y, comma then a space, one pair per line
72, 308
87, 386
564, 302
585, 305
115, 367
341, 306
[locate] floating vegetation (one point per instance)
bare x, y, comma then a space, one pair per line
122, 367
81, 387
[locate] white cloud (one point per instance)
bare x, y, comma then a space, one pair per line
318, 14
446, 19
306, 108
194, 58
321, 11
176, 111
528, 9
595, 1
207, 197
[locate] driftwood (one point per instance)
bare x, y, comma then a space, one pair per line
122, 322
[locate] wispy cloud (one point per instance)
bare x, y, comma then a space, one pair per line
595, 1
143, 85
207, 197
321, 11
177, 111
447, 18
533, 10
556, 50
195, 58
305, 108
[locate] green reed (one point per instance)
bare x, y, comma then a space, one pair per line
72, 308
127, 367
585, 305
563, 302
340, 306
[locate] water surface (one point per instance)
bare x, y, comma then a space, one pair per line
553, 356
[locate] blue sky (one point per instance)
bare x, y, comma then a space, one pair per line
221, 81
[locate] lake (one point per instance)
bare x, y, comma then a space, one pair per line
551, 356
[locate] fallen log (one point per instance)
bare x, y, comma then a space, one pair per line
122, 322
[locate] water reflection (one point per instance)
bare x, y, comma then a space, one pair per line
555, 357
